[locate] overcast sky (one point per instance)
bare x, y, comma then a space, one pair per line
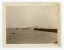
30, 16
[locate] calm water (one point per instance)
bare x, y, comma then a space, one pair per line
23, 36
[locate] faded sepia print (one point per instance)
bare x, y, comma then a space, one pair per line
32, 23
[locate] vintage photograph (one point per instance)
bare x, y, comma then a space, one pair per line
32, 23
